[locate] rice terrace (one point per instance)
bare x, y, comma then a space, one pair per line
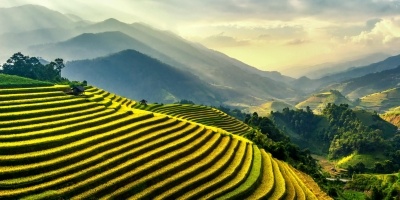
178, 99
96, 146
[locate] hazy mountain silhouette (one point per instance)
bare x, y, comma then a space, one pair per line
32, 17
132, 74
371, 83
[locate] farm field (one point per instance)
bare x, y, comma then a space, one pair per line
96, 146
200, 114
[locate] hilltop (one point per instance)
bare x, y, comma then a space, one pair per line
266, 108
381, 101
96, 146
317, 102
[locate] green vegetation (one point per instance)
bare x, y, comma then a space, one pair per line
30, 67
12, 81
95, 146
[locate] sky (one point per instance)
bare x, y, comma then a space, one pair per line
267, 34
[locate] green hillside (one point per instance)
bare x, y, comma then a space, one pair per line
94, 146
381, 101
10, 81
317, 102
346, 136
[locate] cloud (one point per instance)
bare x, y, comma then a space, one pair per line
222, 40
385, 32
297, 42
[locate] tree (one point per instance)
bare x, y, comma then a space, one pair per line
31, 67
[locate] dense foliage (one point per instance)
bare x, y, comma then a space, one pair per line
268, 136
31, 67
346, 131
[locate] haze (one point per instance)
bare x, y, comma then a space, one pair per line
285, 35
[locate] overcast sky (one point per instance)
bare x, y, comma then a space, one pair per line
268, 34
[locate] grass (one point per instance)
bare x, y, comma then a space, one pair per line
367, 159
11, 81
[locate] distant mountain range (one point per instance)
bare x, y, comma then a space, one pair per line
137, 76
370, 83
72, 38
80, 39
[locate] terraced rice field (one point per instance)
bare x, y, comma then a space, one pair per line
93, 146
200, 114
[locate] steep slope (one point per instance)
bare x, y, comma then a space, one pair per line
368, 84
90, 146
317, 102
381, 101
392, 116
135, 75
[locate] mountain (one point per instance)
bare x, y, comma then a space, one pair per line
388, 63
31, 17
94, 39
92, 45
333, 68
132, 74
317, 102
381, 101
368, 84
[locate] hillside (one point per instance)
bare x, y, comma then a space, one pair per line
317, 102
381, 101
94, 146
368, 84
93, 45
17, 81
346, 135
132, 74
386, 64
266, 108
392, 116
200, 114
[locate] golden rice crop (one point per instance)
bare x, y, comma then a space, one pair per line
280, 185
267, 180
94, 148
250, 182
290, 190
223, 181
142, 163
204, 147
